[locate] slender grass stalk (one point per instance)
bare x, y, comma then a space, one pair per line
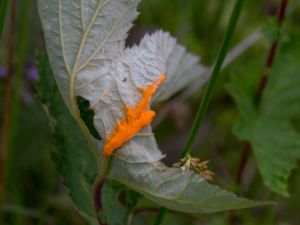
3, 9
212, 82
209, 89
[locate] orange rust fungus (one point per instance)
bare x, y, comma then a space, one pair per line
134, 119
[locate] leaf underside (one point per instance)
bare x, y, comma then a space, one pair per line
85, 44
267, 126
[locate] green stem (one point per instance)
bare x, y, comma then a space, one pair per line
3, 9
21, 50
161, 215
212, 82
22, 46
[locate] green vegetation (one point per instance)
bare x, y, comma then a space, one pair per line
249, 130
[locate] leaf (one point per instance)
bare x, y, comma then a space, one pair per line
109, 77
69, 158
137, 162
268, 126
73, 159
83, 35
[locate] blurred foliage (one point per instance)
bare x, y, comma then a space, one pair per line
259, 122
36, 196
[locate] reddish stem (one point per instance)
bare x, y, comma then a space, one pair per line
7, 99
97, 199
233, 219
243, 159
272, 51
261, 87
282, 11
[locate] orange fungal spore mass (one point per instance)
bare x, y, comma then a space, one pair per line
134, 119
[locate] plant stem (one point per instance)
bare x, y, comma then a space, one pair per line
161, 215
98, 184
261, 87
243, 159
7, 99
12, 176
3, 9
212, 82
245, 153
209, 90
97, 198
21, 50
272, 51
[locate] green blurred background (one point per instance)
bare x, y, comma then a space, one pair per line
34, 192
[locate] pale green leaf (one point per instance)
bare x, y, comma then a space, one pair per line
137, 162
90, 61
82, 36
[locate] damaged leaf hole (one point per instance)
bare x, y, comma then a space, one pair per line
87, 115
